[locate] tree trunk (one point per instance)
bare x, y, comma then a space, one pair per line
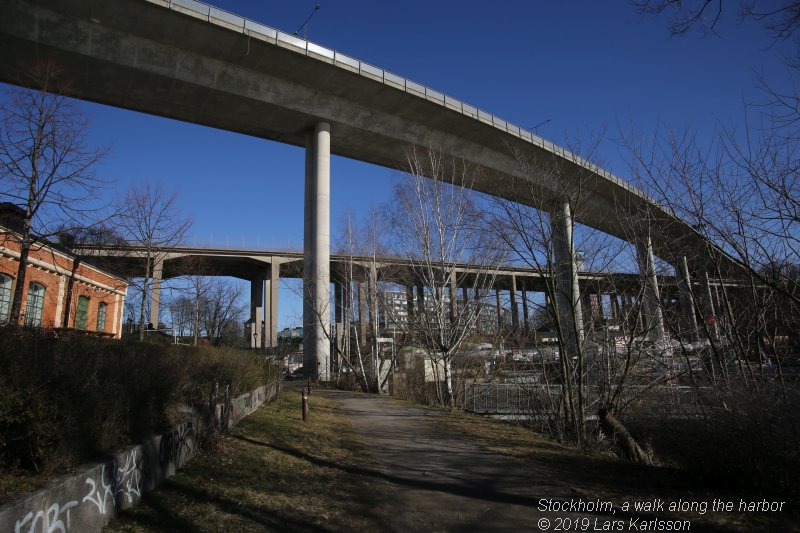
448, 380
70, 292
144, 297
16, 305
628, 445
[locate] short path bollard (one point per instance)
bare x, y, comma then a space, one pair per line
305, 405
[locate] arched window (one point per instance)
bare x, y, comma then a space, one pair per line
101, 316
6, 283
34, 305
82, 313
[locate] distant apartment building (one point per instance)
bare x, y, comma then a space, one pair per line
393, 312
61, 291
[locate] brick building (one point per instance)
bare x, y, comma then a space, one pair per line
60, 289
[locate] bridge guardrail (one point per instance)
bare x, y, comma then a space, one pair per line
274, 36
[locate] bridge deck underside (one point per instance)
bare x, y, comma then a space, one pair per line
140, 56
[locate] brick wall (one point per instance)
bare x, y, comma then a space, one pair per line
56, 271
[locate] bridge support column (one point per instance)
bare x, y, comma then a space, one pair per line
373, 304
271, 306
256, 312
567, 297
362, 311
499, 311
514, 306
709, 310
615, 311
453, 298
420, 301
316, 254
524, 311
338, 337
155, 291
410, 302
686, 297
651, 301
476, 294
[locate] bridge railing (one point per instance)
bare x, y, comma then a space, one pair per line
274, 36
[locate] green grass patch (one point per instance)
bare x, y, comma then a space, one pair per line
275, 472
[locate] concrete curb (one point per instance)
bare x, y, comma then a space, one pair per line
92, 497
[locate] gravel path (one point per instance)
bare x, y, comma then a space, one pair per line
446, 482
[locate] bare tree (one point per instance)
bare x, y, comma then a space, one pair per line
780, 19
545, 238
222, 312
435, 224
46, 167
149, 218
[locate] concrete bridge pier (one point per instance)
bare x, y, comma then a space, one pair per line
514, 306
316, 254
271, 287
524, 311
453, 294
362, 311
651, 300
155, 291
499, 310
567, 291
616, 313
256, 312
686, 298
410, 302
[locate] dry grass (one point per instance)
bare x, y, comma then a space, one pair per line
274, 473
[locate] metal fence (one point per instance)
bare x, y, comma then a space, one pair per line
533, 399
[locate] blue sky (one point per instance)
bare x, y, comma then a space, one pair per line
585, 66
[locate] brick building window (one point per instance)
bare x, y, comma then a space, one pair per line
6, 282
34, 305
82, 313
101, 316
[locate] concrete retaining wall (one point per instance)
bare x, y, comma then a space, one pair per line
90, 498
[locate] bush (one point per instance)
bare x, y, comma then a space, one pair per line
66, 398
741, 438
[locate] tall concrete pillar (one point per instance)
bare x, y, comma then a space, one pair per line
453, 298
338, 339
410, 301
316, 254
373, 301
651, 307
421, 300
514, 306
615, 311
709, 311
271, 305
256, 312
567, 291
525, 311
686, 296
465, 296
362, 311
155, 291
499, 310
478, 308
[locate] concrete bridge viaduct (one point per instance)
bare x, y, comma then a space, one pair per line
264, 269
193, 62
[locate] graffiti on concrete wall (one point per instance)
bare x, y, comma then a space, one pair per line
88, 502
99, 496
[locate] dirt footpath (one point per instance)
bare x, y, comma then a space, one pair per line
440, 480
